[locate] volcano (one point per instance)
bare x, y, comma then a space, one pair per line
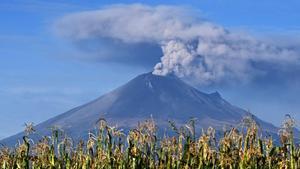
163, 98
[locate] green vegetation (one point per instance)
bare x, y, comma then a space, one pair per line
141, 148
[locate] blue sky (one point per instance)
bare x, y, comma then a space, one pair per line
41, 78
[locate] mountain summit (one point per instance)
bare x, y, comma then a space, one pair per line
162, 97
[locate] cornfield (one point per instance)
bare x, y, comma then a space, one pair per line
141, 147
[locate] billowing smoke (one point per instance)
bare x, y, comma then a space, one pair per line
192, 47
206, 61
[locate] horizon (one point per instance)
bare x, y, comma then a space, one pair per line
51, 62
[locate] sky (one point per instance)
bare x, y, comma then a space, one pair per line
50, 62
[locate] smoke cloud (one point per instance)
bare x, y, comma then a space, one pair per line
191, 47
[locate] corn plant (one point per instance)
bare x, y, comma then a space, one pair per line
142, 147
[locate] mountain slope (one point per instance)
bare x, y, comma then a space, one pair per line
163, 97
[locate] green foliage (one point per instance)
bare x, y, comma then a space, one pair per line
110, 148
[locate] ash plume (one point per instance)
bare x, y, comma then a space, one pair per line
191, 47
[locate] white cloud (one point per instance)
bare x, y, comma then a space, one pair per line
192, 47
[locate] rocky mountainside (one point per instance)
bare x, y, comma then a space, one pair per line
162, 97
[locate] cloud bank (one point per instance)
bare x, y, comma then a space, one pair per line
174, 40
